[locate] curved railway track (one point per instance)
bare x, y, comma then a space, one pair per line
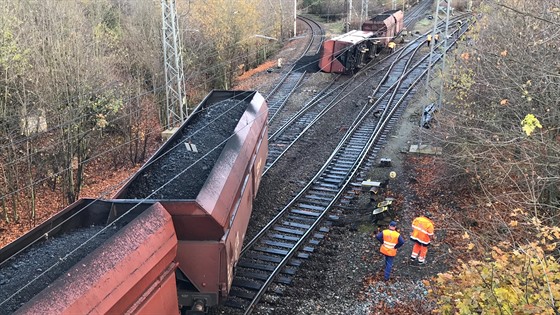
279, 95
275, 253
284, 134
282, 137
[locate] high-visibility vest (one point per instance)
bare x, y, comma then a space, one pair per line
429, 37
392, 45
390, 240
422, 230
436, 37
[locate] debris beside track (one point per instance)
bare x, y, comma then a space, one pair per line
344, 274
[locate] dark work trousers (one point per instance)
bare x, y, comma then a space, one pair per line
388, 266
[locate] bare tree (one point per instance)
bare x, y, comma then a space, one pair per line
503, 123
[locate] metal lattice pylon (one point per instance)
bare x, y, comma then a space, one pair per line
364, 11
447, 12
174, 77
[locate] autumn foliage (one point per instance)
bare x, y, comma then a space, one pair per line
501, 136
520, 282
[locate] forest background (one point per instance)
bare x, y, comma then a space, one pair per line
83, 98
82, 105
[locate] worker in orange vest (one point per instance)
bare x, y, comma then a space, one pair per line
392, 46
422, 233
436, 38
390, 240
428, 39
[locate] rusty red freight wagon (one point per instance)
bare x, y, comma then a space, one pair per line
219, 162
347, 52
169, 239
95, 256
351, 51
385, 26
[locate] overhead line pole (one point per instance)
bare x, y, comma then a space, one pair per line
295, 18
443, 57
173, 66
432, 45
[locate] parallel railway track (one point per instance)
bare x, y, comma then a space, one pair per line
275, 253
294, 76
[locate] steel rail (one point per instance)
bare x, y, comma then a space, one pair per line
326, 184
389, 110
321, 193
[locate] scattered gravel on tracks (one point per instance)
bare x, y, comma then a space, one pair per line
344, 274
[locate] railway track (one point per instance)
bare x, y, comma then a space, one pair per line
294, 76
317, 37
283, 90
285, 135
270, 260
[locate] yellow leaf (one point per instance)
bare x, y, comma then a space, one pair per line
470, 246
504, 53
529, 123
504, 101
466, 236
551, 247
513, 223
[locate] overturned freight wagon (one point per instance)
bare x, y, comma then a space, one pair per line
347, 52
171, 237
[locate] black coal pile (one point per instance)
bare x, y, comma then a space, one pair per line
181, 171
34, 269
308, 63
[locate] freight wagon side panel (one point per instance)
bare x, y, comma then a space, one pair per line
128, 273
260, 160
342, 53
225, 183
31, 263
399, 16
223, 206
204, 265
209, 266
327, 56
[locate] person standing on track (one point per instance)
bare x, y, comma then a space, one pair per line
428, 39
422, 233
390, 240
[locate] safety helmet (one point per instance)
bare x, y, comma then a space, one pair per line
428, 214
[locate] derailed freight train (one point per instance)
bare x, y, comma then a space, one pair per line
168, 241
350, 52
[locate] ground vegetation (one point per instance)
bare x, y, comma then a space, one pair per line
500, 131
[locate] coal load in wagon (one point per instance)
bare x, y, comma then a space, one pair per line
181, 171
42, 263
31, 263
